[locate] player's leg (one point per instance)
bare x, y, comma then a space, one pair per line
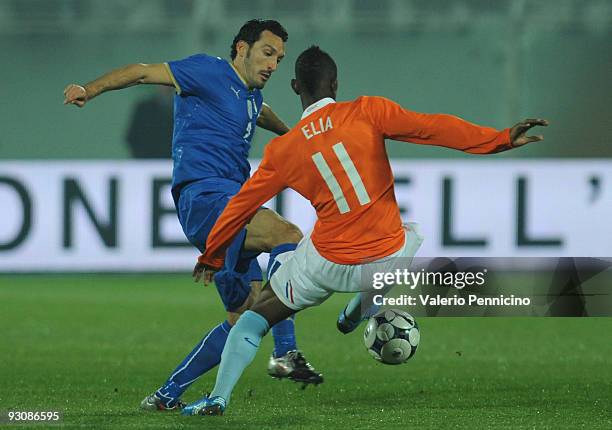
286, 361
204, 356
198, 212
358, 309
256, 283
240, 350
361, 307
232, 317
235, 286
276, 235
270, 232
242, 346
283, 332
290, 289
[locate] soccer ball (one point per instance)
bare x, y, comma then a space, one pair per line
392, 336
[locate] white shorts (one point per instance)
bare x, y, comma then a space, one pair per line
306, 279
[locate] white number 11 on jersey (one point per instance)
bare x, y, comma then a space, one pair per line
332, 182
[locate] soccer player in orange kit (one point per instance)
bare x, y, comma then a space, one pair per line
336, 158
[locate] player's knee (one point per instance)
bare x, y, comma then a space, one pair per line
232, 318
234, 315
293, 234
268, 230
288, 233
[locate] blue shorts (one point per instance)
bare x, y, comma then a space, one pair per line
199, 205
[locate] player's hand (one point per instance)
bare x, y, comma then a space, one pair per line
75, 95
202, 272
517, 133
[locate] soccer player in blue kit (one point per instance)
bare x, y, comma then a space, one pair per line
216, 109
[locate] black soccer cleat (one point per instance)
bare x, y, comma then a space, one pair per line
294, 366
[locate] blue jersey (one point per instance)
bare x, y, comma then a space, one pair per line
215, 115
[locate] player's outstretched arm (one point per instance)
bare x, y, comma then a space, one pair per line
445, 130
270, 121
123, 77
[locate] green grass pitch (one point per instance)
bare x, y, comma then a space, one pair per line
93, 346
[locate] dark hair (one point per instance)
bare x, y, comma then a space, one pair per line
315, 68
251, 31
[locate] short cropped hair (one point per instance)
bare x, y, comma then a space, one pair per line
314, 68
251, 31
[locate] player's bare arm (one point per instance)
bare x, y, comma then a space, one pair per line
518, 135
270, 121
127, 76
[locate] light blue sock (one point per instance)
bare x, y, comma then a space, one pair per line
353, 309
240, 350
360, 306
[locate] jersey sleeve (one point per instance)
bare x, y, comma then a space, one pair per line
191, 75
397, 123
265, 183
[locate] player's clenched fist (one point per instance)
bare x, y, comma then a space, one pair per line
75, 95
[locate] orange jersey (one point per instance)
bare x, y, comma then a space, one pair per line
336, 158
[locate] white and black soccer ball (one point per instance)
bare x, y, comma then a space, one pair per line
392, 336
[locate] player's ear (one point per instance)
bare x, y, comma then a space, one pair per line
334, 87
295, 86
242, 48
